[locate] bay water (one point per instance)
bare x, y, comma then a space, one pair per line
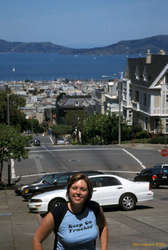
20, 66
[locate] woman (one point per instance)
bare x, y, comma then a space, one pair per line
79, 227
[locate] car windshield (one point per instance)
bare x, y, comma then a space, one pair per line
165, 167
60, 179
146, 171
51, 179
40, 179
165, 171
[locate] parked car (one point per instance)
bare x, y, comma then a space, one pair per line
36, 142
19, 188
60, 141
107, 190
158, 175
52, 182
162, 166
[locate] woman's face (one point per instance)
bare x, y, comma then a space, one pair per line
78, 192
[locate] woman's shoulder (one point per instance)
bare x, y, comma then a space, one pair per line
58, 213
93, 205
57, 203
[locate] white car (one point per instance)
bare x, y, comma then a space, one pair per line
107, 190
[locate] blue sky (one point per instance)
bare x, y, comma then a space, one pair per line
82, 23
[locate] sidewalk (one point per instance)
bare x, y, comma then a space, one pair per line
17, 225
144, 146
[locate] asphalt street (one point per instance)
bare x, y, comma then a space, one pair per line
143, 228
140, 229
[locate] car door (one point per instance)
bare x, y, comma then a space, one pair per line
106, 190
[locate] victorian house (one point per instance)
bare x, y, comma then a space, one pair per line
145, 92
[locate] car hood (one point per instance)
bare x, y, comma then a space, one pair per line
50, 194
40, 186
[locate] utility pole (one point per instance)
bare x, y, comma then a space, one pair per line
8, 121
8, 110
119, 107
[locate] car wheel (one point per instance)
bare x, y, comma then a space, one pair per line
127, 202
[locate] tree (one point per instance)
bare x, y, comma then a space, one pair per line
15, 115
12, 146
58, 130
101, 129
76, 118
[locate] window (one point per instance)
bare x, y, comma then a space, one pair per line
63, 180
105, 181
165, 171
166, 77
130, 92
50, 179
137, 96
137, 73
157, 124
130, 113
76, 103
166, 125
145, 76
144, 99
166, 97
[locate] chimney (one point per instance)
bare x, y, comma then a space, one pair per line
148, 57
162, 52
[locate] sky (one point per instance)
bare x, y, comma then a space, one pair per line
82, 23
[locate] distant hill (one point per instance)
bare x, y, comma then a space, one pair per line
139, 46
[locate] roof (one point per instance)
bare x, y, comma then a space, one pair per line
152, 70
71, 102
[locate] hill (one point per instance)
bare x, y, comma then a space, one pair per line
139, 46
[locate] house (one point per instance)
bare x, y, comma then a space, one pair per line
145, 92
110, 98
66, 103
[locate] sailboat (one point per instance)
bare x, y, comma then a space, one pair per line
13, 69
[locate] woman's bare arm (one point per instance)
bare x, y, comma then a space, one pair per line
45, 228
103, 230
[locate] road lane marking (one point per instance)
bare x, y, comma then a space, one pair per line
51, 139
135, 158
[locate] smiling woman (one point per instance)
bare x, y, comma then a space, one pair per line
80, 224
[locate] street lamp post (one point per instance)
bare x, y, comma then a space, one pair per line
119, 104
119, 114
119, 108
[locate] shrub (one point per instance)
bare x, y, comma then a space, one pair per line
159, 140
142, 134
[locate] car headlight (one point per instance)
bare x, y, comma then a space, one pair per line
22, 187
35, 200
26, 190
